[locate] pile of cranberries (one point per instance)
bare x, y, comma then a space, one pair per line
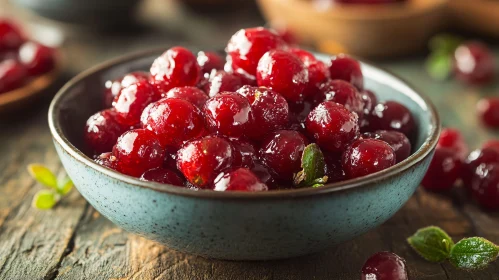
20, 59
242, 124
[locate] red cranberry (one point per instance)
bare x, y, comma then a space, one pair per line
384, 266
345, 94
392, 115
228, 114
244, 152
107, 160
285, 33
113, 88
284, 73
102, 131
11, 36
488, 110
132, 100
452, 138
332, 126
318, 72
137, 151
173, 120
209, 61
163, 176
282, 153
370, 100
474, 63
444, 170
269, 109
192, 94
170, 160
203, 159
241, 179
12, 75
220, 81
334, 168
345, 68
264, 174
475, 159
176, 67
491, 144
38, 59
398, 141
367, 156
247, 46
485, 186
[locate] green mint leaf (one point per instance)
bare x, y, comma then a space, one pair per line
45, 199
431, 243
43, 175
313, 165
439, 65
473, 253
444, 43
64, 187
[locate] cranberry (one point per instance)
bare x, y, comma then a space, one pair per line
488, 110
264, 174
345, 94
475, 159
367, 156
474, 63
228, 114
176, 67
332, 126
286, 34
334, 168
392, 115
452, 138
209, 61
370, 100
203, 159
398, 141
192, 94
384, 266
220, 81
282, 153
491, 144
113, 88
283, 72
38, 59
170, 160
137, 151
11, 36
485, 186
269, 109
244, 152
444, 170
173, 120
241, 179
247, 46
102, 131
132, 100
318, 71
12, 75
345, 68
163, 176
107, 160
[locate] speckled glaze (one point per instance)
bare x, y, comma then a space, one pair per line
238, 226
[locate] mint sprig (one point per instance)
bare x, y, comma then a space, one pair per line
55, 189
314, 166
439, 63
431, 243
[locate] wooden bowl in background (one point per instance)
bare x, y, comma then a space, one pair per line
478, 16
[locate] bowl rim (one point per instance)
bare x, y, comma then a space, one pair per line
366, 181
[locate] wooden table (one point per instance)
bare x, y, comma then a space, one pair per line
73, 241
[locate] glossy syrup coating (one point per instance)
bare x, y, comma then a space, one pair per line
343, 93
453, 139
343, 67
282, 152
444, 170
332, 126
398, 141
202, 160
370, 100
132, 100
220, 81
37, 58
392, 115
11, 37
485, 186
367, 156
334, 167
137, 151
209, 61
245, 153
475, 159
241, 179
113, 88
192, 94
265, 175
384, 266
283, 72
318, 71
102, 130
488, 111
228, 114
174, 120
474, 63
12, 75
163, 176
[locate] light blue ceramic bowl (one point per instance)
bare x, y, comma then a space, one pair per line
236, 225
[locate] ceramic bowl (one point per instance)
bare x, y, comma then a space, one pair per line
238, 225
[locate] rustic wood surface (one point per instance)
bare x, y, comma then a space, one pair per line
73, 241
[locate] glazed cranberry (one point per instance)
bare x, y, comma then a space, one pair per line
241, 179
137, 151
485, 186
491, 144
284, 73
345, 68
163, 176
192, 94
332, 126
102, 131
474, 63
475, 159
176, 67
488, 110
452, 138
392, 115
209, 61
345, 94
282, 153
247, 46
370, 100
12, 75
228, 114
444, 170
220, 81
244, 152
367, 156
264, 175
113, 88
269, 109
11, 36
173, 120
107, 160
132, 100
334, 168
38, 59
318, 72
203, 159
398, 141
384, 266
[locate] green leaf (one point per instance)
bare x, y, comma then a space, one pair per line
473, 253
64, 187
431, 243
439, 65
43, 175
444, 43
313, 164
45, 199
